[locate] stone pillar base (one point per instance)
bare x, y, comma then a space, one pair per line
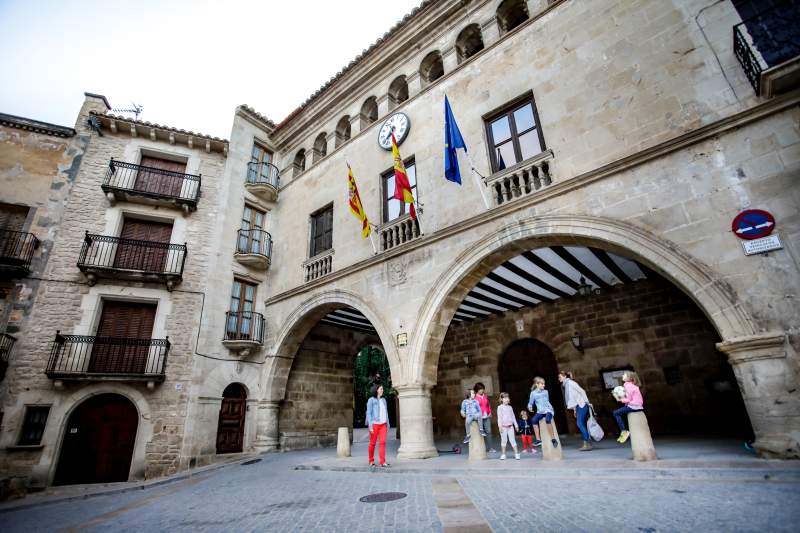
477, 445
641, 440
343, 442
549, 453
416, 422
267, 438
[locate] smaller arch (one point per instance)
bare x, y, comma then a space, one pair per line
369, 111
299, 164
235, 390
469, 42
343, 130
431, 68
510, 14
320, 146
398, 91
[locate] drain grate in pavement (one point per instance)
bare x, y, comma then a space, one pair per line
251, 462
380, 497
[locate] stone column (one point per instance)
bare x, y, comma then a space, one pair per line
769, 386
536, 6
331, 141
416, 423
450, 60
355, 124
267, 436
414, 81
383, 106
490, 30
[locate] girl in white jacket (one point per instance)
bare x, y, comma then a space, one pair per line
507, 421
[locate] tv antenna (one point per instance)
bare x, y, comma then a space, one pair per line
136, 109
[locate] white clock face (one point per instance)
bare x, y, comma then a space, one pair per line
400, 124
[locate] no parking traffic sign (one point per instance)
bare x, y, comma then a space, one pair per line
753, 224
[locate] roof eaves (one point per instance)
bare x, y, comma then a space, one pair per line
159, 126
36, 126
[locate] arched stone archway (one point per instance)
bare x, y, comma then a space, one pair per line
287, 343
740, 337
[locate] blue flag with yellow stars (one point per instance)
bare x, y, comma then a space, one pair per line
452, 141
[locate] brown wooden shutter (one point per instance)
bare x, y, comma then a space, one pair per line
157, 182
138, 256
123, 320
12, 217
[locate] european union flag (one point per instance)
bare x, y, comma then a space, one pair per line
452, 141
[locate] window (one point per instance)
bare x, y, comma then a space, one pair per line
398, 91
514, 134
251, 236
431, 68
510, 14
12, 217
320, 146
243, 297
369, 111
321, 231
393, 208
299, 161
33, 425
258, 155
343, 130
469, 42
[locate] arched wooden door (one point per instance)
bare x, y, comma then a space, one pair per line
98, 441
230, 431
521, 362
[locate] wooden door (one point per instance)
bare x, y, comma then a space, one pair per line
521, 362
98, 441
132, 321
140, 255
230, 431
167, 183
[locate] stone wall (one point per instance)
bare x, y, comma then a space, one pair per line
648, 325
319, 393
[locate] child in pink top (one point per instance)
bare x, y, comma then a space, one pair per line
633, 401
485, 422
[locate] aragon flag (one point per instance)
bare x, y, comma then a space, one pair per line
402, 188
355, 203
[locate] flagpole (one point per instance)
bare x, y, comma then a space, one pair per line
374, 248
480, 185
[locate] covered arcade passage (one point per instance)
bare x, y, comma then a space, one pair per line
319, 394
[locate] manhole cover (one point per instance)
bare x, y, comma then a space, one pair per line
382, 497
251, 462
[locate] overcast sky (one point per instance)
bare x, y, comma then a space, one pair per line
189, 63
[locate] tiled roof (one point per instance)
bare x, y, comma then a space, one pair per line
159, 126
257, 115
36, 126
397, 27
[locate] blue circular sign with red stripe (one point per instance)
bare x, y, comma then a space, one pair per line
753, 224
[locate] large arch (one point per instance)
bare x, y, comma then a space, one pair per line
714, 297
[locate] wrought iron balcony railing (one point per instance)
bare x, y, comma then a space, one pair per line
254, 247
85, 357
16, 250
245, 326
6, 344
115, 257
765, 42
263, 179
130, 182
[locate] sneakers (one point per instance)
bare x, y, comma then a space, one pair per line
537, 442
503, 457
466, 440
516, 456
587, 446
492, 450
385, 465
483, 433
623, 437
554, 442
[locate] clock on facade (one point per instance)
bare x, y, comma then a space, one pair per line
400, 123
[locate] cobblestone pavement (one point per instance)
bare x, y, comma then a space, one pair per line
271, 496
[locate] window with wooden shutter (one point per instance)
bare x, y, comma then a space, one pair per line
160, 176
12, 217
322, 231
33, 425
136, 253
123, 334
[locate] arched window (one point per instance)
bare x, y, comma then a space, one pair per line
299, 164
431, 68
469, 42
369, 112
343, 130
510, 14
398, 91
320, 146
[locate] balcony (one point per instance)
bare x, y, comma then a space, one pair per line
6, 345
244, 331
129, 259
254, 248
318, 266
522, 179
263, 180
88, 358
768, 47
16, 252
126, 182
397, 232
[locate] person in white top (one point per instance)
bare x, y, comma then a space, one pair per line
577, 400
507, 421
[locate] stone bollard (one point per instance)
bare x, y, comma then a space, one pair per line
477, 446
343, 443
548, 452
641, 440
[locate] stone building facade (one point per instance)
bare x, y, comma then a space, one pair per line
634, 137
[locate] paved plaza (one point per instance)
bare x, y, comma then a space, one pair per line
313, 491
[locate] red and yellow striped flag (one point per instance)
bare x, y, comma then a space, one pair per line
402, 188
355, 204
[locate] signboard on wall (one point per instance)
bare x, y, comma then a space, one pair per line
753, 224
